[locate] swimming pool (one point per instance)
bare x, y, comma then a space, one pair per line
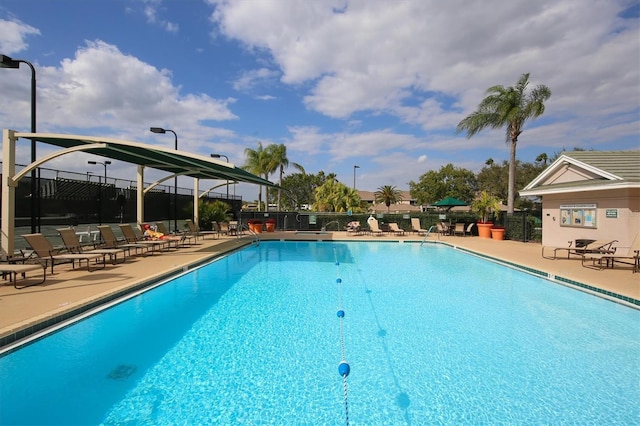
432, 335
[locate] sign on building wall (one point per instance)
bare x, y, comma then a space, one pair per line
578, 215
611, 213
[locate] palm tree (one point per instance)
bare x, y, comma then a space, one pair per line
542, 158
258, 162
388, 195
507, 107
279, 158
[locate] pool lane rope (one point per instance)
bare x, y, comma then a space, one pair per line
343, 368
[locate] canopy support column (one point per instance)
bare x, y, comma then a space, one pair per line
140, 195
7, 241
196, 201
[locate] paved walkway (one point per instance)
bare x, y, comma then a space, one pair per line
68, 291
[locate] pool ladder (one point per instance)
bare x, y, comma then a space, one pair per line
427, 234
242, 228
324, 228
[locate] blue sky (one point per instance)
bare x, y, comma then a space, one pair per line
372, 83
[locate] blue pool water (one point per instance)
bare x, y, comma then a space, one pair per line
432, 336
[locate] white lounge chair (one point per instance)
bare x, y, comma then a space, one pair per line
416, 228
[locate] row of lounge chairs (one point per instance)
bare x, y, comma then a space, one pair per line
597, 254
95, 256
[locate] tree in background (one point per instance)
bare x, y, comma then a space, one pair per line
334, 196
278, 154
299, 189
493, 178
259, 163
449, 181
508, 107
388, 195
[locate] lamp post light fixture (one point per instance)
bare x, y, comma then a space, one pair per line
8, 62
105, 164
175, 179
354, 176
227, 159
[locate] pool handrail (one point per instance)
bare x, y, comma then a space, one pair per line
427, 234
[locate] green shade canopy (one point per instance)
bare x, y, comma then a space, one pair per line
449, 202
168, 160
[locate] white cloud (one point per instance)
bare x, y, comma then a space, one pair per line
250, 79
13, 35
374, 58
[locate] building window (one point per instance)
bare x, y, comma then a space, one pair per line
578, 215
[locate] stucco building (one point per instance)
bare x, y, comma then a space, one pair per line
589, 195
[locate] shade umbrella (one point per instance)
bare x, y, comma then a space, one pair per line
449, 202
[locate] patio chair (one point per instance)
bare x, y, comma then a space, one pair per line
458, 229
131, 238
393, 227
224, 228
109, 240
72, 245
48, 254
609, 259
416, 228
354, 228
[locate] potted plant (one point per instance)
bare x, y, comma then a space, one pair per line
270, 224
484, 205
497, 232
255, 225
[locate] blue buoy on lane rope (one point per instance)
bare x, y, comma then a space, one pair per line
344, 369
339, 280
340, 313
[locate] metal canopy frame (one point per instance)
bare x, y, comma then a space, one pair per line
176, 163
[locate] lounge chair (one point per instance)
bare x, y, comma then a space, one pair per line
416, 228
609, 259
131, 238
393, 227
182, 239
440, 229
72, 245
12, 270
196, 232
374, 228
469, 229
580, 248
109, 240
48, 254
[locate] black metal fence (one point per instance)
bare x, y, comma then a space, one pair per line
522, 226
69, 198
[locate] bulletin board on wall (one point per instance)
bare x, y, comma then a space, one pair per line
579, 215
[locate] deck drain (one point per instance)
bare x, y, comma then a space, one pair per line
122, 372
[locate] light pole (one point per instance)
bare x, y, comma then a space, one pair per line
354, 176
175, 179
105, 164
7, 62
227, 159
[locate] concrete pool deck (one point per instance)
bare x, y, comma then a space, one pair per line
68, 292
